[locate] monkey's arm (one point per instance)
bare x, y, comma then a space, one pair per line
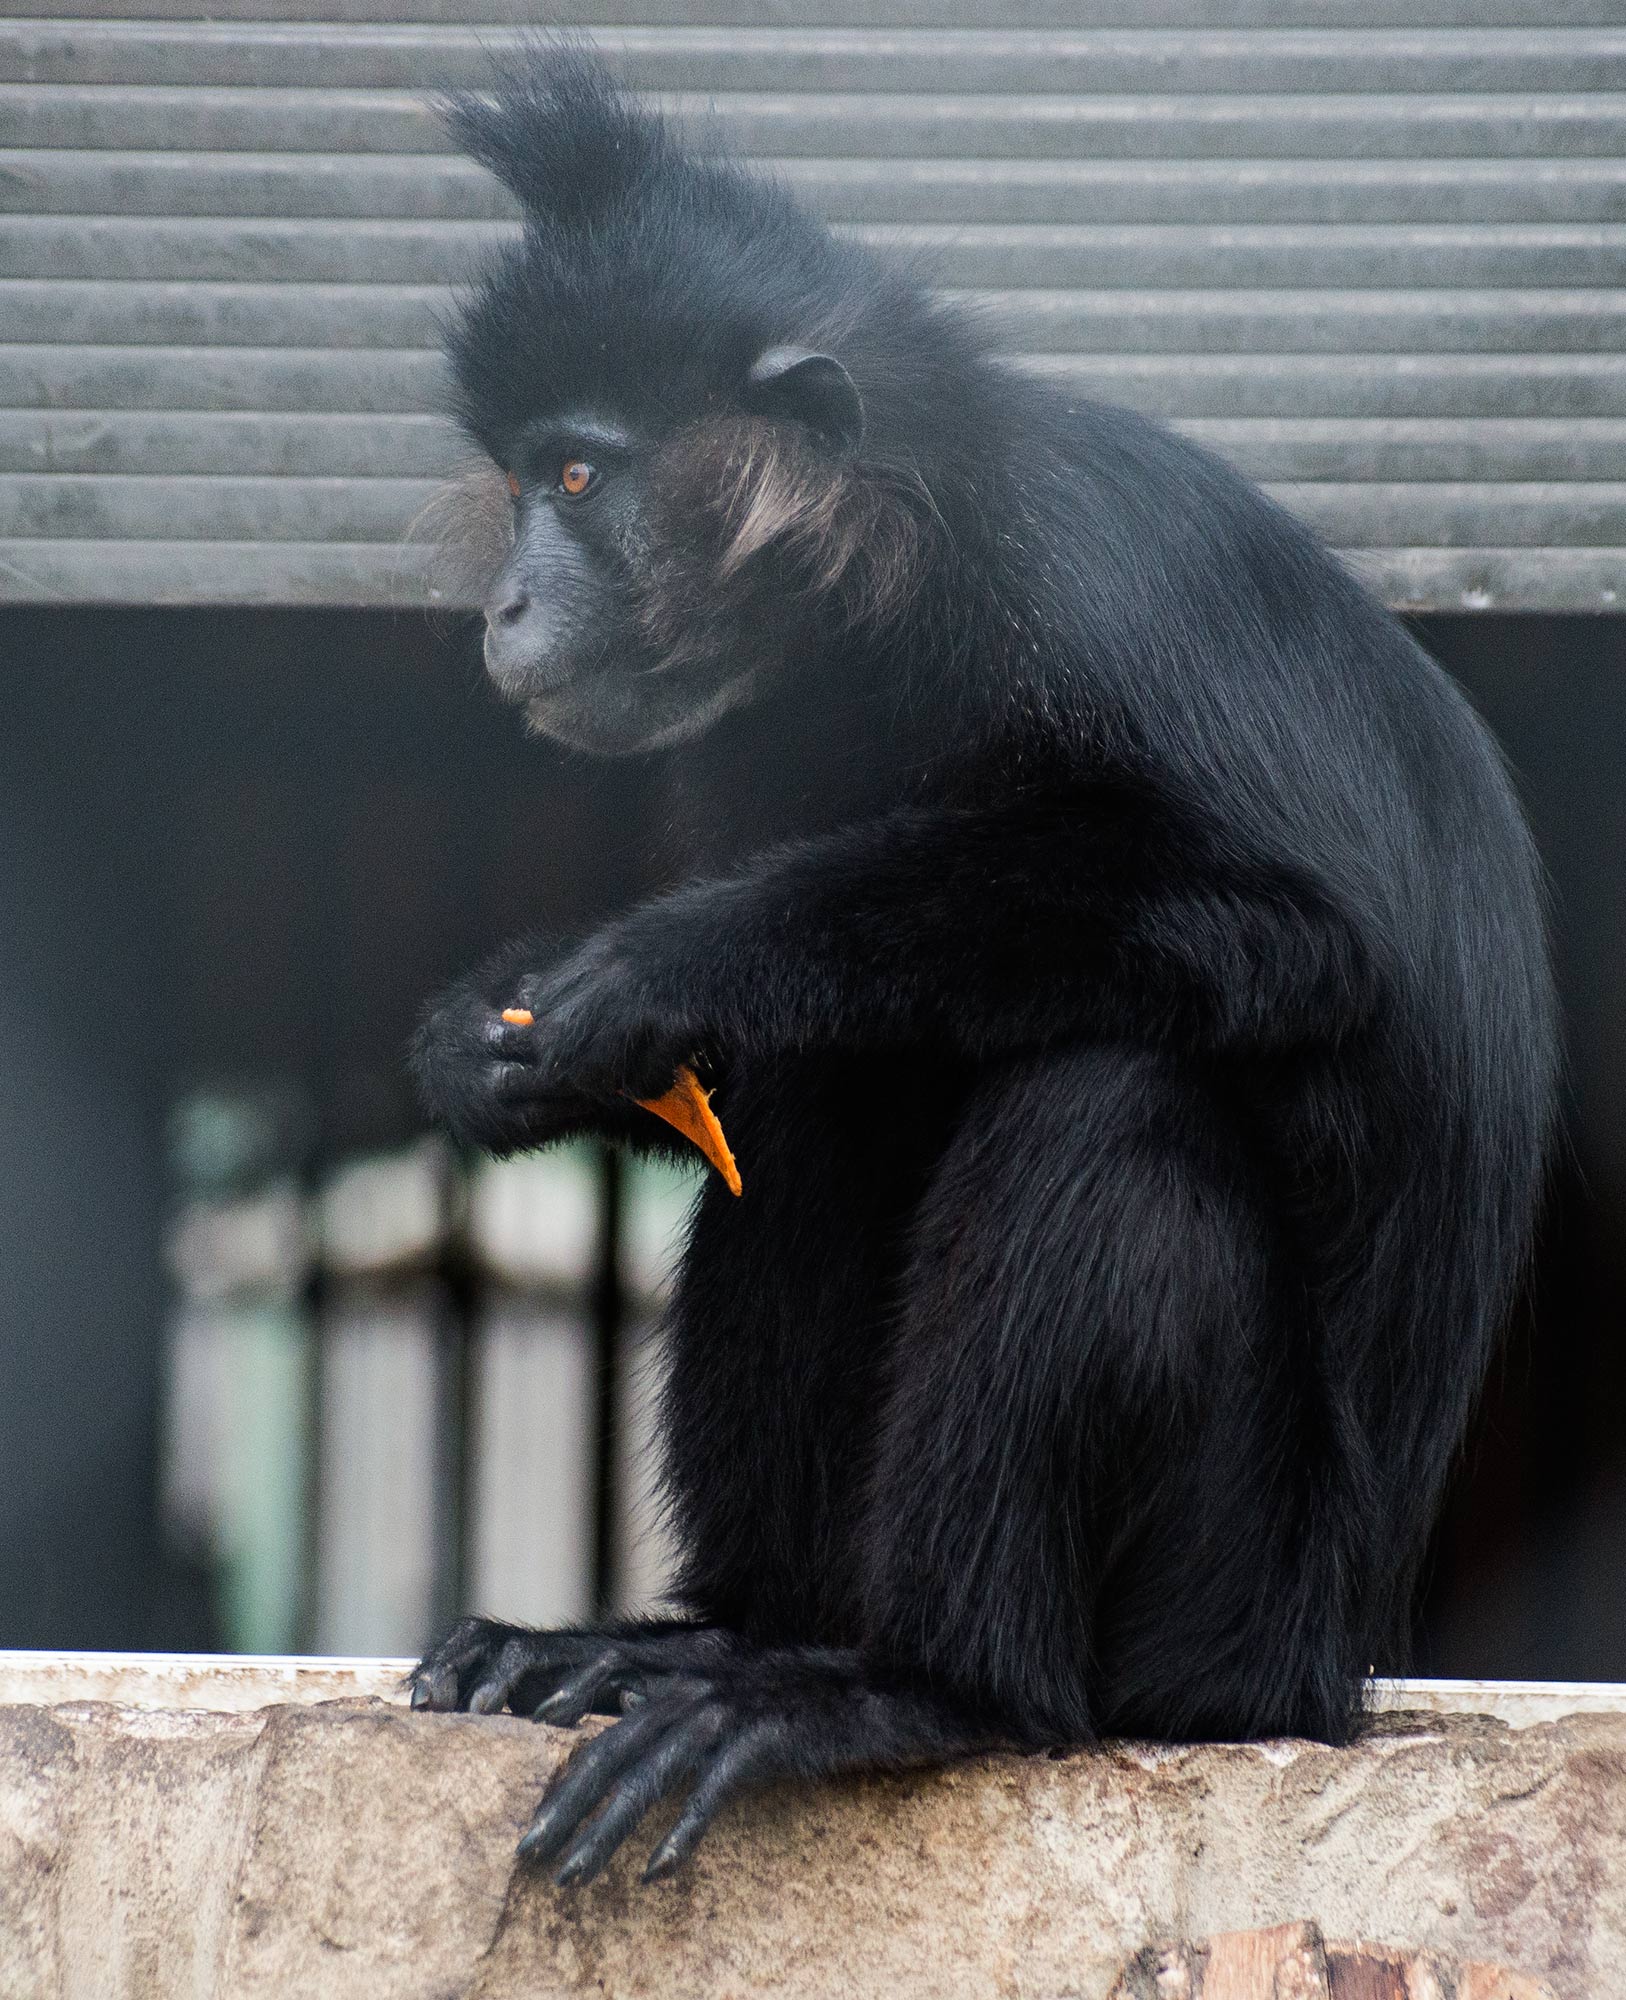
1110, 914
982, 931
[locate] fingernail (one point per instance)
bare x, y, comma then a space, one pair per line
539, 1833
560, 1711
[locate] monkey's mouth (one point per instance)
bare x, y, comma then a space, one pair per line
523, 681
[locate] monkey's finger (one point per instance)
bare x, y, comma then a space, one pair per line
527, 1083
645, 1785
592, 1769
585, 1689
436, 1681
523, 1657
649, 1682
746, 1761
624, 1676
433, 1684
433, 1688
513, 1041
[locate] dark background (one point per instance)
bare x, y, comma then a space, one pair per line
239, 848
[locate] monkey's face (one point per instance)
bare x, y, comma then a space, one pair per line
658, 576
562, 635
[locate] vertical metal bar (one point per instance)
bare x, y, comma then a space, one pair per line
608, 1308
314, 1308
460, 1289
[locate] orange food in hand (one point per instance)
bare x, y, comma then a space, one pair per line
686, 1107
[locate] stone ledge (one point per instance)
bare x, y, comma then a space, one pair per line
1295, 1962
353, 1848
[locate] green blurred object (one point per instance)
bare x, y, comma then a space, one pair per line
241, 1351
263, 1483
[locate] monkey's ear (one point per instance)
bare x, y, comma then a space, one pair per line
815, 388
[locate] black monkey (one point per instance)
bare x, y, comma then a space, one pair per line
1120, 959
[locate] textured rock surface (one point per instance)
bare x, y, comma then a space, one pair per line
355, 1849
1295, 1962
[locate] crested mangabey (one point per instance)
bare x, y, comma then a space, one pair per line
1119, 958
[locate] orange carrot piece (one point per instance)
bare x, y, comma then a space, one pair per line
519, 1017
686, 1107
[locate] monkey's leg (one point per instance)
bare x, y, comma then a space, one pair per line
1104, 1494
777, 1334
779, 1317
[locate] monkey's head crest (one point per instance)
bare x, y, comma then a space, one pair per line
560, 135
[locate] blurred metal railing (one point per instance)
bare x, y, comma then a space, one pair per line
410, 1384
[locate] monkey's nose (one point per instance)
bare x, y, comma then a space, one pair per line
521, 643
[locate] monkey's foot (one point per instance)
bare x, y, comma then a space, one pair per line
707, 1736
483, 1666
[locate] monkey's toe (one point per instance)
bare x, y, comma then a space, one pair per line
483, 1666
710, 1734
478, 1665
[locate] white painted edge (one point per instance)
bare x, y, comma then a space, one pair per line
230, 1682
1518, 1703
234, 1682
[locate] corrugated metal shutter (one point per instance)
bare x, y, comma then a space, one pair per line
1373, 249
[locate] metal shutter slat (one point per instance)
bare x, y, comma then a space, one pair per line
1009, 256
828, 62
248, 442
141, 507
125, 312
1014, 15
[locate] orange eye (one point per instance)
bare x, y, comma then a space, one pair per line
513, 484
575, 475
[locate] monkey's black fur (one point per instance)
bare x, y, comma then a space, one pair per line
1120, 959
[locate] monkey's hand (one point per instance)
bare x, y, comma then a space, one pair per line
607, 1026
474, 1081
